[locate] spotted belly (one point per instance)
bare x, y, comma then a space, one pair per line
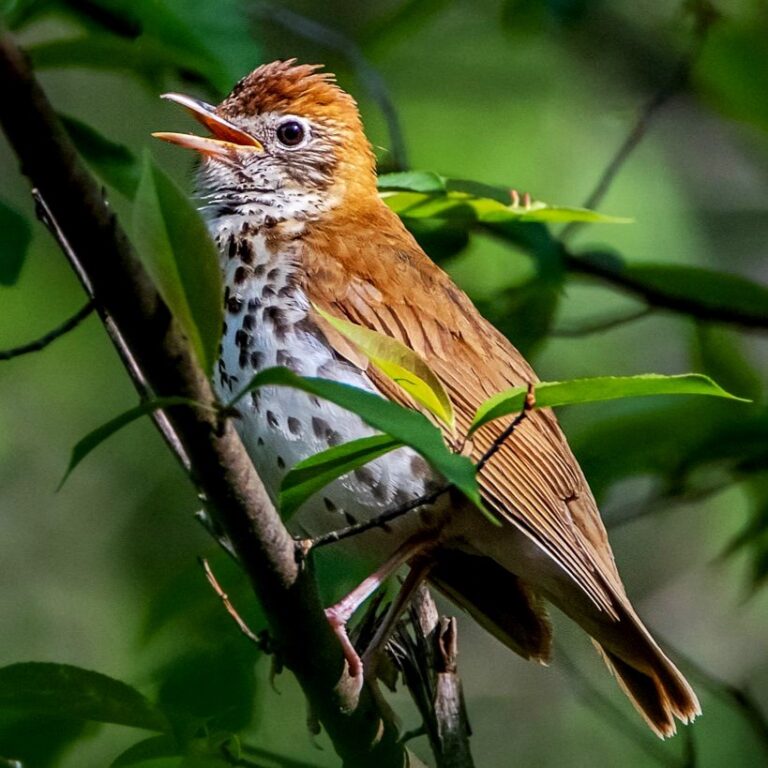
266, 325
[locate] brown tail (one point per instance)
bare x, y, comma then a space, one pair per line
512, 612
652, 682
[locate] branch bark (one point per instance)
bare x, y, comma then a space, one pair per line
361, 732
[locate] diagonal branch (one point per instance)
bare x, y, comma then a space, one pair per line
219, 465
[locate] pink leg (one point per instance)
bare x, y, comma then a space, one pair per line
419, 571
339, 614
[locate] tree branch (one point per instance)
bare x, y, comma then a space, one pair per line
218, 462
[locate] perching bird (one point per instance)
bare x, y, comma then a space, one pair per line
288, 188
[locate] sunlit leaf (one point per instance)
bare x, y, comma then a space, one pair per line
400, 363
113, 162
600, 388
313, 474
15, 234
173, 243
56, 689
403, 424
100, 434
423, 194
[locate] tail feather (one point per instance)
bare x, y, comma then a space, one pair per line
659, 695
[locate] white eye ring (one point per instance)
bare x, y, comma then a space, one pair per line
292, 132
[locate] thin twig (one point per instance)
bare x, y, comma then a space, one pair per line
381, 521
230, 609
41, 343
677, 80
600, 325
45, 214
369, 76
530, 403
217, 533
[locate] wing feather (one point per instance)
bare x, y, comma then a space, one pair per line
386, 283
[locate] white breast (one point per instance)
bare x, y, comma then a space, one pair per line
266, 325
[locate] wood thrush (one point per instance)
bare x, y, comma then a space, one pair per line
288, 187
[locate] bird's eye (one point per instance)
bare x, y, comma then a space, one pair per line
290, 133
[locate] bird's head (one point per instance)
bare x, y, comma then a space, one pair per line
287, 137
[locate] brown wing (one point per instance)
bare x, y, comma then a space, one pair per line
382, 280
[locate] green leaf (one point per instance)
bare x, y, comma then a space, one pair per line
100, 434
422, 194
554, 393
403, 424
14, 241
113, 162
399, 363
56, 689
194, 39
147, 749
313, 474
173, 243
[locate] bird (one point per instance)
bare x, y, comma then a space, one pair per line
287, 185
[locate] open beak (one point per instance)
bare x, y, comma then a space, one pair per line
227, 138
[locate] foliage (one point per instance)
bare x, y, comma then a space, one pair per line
204, 701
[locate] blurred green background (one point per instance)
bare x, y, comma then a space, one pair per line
531, 95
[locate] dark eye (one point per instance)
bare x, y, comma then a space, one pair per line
290, 133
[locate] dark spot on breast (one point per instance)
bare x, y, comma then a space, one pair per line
334, 438
256, 403
232, 247
245, 251
273, 274
257, 360
272, 419
329, 505
364, 475
241, 275
294, 425
269, 222
242, 359
253, 304
234, 304
320, 427
224, 328
419, 467
243, 339
280, 462
260, 441
350, 518
287, 292
267, 292
288, 360
259, 270
249, 321
401, 497
380, 492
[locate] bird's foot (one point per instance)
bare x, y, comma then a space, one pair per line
337, 618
